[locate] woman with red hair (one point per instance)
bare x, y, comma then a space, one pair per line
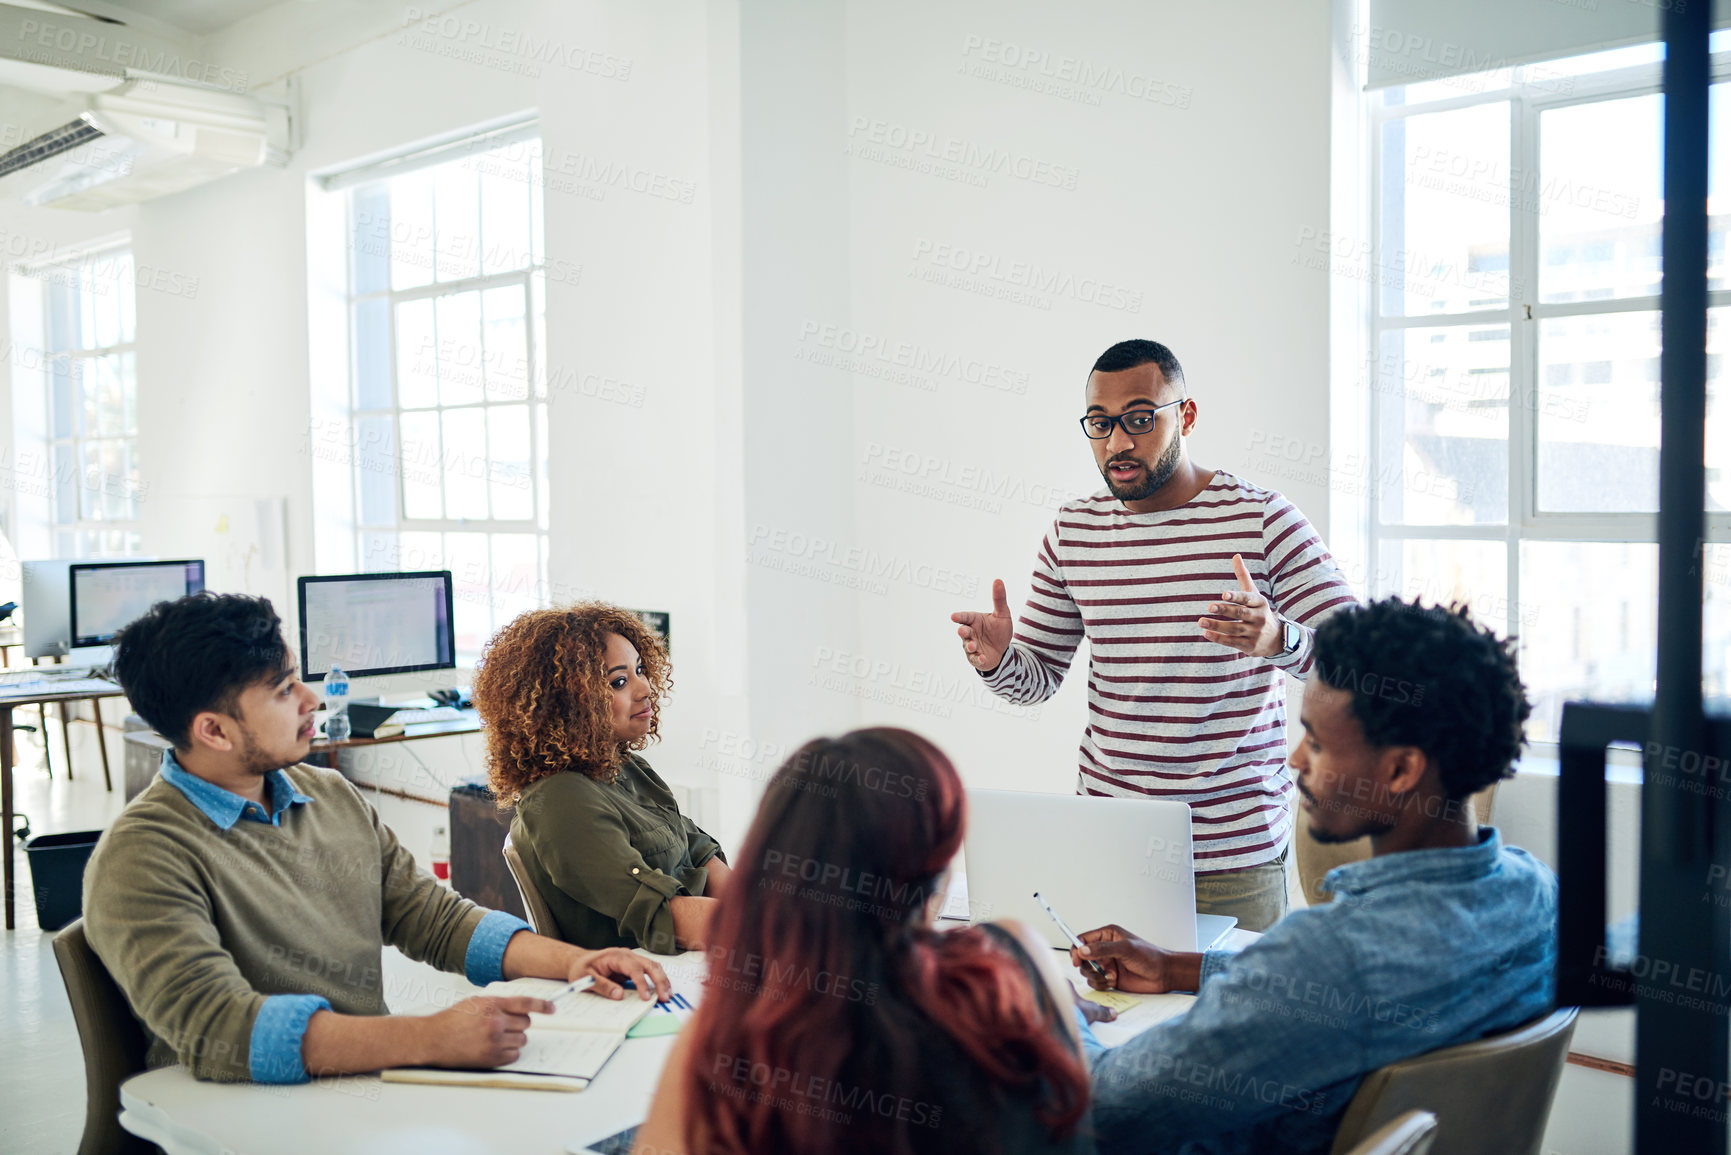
835, 1018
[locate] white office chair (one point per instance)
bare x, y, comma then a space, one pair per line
540, 915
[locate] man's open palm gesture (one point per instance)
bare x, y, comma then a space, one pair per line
985, 637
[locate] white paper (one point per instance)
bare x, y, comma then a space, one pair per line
575, 1054
580, 1010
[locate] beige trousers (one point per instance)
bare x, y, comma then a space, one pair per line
1257, 896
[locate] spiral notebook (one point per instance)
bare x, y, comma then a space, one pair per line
565, 1051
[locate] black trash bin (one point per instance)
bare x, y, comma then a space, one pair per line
57, 875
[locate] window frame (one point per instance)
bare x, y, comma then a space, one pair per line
532, 280
84, 530
1522, 315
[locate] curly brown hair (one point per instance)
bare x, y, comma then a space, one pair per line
541, 688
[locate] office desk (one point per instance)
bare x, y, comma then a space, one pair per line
33, 697
469, 723
363, 1113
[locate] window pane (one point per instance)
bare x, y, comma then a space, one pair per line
1589, 614
1445, 215
509, 465
538, 336
507, 358
505, 209
105, 287
63, 388
1599, 207
421, 473
379, 551
419, 551
466, 558
1445, 572
1716, 634
516, 584
128, 293
88, 302
412, 230
376, 462
1443, 434
369, 239
459, 349
128, 363
417, 356
1598, 413
457, 207
464, 463
109, 481
1718, 455
66, 479
105, 396
373, 354
60, 301
537, 231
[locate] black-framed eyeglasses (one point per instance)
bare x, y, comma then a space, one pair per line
1098, 426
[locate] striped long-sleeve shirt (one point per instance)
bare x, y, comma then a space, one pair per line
1171, 714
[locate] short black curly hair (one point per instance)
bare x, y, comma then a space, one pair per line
1430, 677
197, 653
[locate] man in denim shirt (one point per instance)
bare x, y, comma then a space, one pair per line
1443, 936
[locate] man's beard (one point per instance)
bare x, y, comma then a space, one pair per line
256, 759
1153, 476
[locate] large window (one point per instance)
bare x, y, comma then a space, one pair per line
1514, 373
76, 470
448, 395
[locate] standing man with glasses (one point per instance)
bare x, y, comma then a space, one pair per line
1186, 694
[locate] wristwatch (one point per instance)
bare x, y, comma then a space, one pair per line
1291, 636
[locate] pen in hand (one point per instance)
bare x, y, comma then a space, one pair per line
1069, 934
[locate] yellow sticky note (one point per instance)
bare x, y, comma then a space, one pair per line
1114, 1000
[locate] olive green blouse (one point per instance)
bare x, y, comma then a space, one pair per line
607, 857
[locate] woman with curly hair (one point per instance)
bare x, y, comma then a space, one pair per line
835, 1018
569, 696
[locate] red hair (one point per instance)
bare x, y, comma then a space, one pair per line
825, 982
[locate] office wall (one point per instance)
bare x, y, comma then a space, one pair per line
227, 387
1019, 187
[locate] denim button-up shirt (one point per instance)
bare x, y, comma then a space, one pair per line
1419, 950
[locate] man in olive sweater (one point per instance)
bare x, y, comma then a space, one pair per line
242, 901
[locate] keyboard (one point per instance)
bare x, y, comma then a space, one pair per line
36, 684
436, 714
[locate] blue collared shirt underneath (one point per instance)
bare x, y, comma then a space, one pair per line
280, 1027
1419, 950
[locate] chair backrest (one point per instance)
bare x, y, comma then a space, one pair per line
114, 1043
1315, 859
1492, 1095
1411, 1134
540, 915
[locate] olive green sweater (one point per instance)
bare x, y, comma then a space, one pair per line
608, 857
198, 924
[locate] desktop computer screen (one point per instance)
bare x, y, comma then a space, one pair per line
106, 597
376, 623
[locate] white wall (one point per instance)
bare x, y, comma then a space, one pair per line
1176, 173
1166, 182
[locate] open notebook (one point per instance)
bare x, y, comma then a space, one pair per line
566, 1049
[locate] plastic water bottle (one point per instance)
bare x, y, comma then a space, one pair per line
441, 858
336, 705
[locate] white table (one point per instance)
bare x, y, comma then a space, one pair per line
365, 1114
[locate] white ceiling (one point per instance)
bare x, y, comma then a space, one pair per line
199, 17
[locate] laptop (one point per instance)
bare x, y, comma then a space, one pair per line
1095, 860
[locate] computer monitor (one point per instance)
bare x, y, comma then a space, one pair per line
376, 623
104, 597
